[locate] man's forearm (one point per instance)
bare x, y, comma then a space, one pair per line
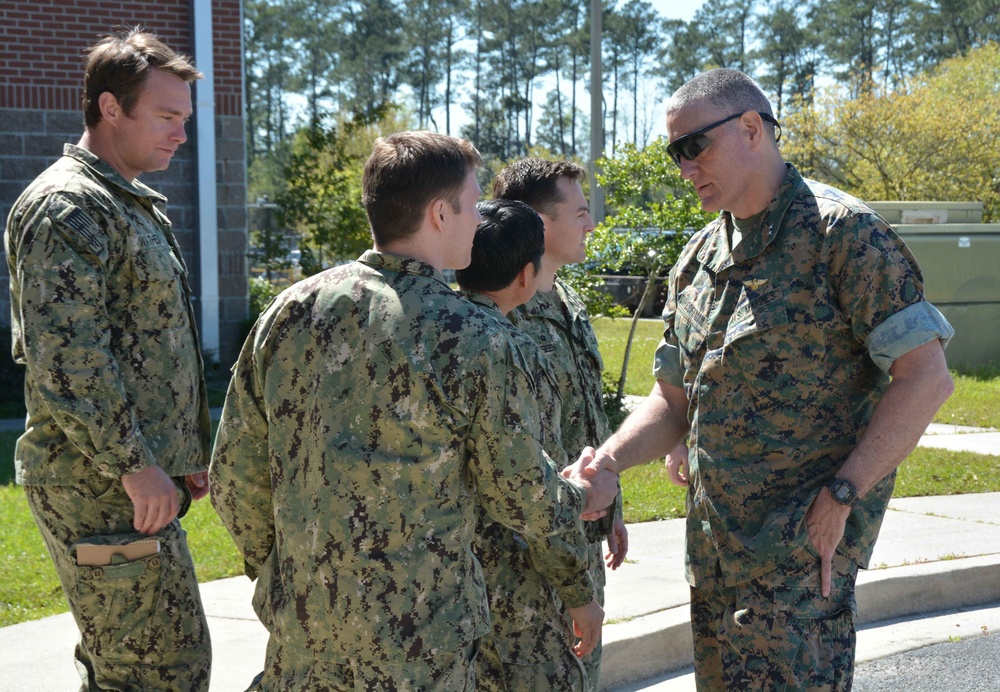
651, 431
919, 386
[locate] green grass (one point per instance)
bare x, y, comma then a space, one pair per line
612, 335
975, 402
650, 496
31, 590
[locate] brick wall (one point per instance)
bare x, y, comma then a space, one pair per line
42, 48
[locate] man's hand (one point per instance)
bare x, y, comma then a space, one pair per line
197, 484
617, 544
825, 522
587, 622
601, 485
677, 465
154, 497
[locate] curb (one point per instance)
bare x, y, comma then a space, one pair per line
660, 643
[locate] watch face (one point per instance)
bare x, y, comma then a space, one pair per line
843, 492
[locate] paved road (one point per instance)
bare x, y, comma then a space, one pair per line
971, 665
950, 651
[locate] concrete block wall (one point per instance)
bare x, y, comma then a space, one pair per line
42, 49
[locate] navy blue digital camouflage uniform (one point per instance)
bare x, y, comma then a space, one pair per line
102, 318
373, 411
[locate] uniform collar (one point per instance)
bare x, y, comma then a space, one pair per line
113, 177
398, 263
482, 301
716, 254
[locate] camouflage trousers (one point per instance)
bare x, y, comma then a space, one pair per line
142, 626
561, 673
777, 632
293, 669
592, 661
541, 658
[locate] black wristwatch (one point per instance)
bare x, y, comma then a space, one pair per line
843, 491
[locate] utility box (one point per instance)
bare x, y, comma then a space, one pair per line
960, 262
929, 212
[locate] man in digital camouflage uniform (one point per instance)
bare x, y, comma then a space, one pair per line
372, 410
531, 644
786, 317
117, 435
557, 320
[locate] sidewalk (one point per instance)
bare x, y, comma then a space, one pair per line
933, 554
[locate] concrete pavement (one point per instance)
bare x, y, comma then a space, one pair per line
934, 554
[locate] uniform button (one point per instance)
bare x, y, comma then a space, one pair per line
103, 467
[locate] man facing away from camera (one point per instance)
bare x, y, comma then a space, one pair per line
532, 643
372, 411
801, 356
117, 436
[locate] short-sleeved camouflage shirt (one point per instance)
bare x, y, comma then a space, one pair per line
771, 342
372, 411
557, 321
101, 315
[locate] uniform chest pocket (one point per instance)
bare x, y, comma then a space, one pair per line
755, 314
777, 353
691, 321
156, 264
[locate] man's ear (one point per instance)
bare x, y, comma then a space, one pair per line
755, 125
526, 274
111, 110
436, 213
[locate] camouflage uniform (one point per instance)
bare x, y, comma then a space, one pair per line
783, 346
557, 321
102, 318
530, 647
371, 410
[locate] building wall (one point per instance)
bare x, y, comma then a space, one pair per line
42, 49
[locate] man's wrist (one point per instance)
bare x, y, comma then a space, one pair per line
843, 491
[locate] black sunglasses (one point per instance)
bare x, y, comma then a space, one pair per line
691, 145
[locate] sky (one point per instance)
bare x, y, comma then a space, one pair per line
677, 9
669, 9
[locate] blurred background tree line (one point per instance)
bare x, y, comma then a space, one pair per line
888, 99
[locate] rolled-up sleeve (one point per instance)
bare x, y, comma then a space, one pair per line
912, 326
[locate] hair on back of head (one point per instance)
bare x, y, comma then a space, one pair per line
510, 236
407, 171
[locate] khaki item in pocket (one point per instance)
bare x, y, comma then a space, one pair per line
101, 555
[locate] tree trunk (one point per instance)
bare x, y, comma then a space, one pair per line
647, 293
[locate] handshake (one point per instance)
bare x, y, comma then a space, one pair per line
599, 478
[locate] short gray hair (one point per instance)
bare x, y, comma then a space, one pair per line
727, 91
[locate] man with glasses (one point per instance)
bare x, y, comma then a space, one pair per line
785, 318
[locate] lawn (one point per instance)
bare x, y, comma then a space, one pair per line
31, 590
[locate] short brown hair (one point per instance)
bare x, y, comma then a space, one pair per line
407, 171
121, 63
535, 182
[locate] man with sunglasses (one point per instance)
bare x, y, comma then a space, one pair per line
785, 319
